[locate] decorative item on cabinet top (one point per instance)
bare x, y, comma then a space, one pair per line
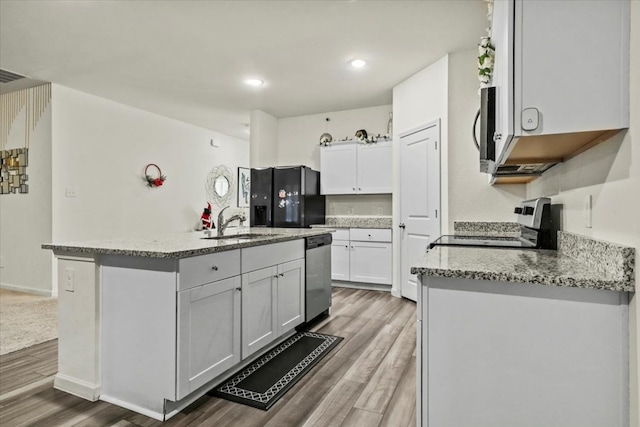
154, 181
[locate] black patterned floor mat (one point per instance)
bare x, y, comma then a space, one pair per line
267, 379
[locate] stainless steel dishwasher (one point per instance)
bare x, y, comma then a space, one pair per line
318, 276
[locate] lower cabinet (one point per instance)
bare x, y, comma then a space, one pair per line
208, 333
272, 304
362, 255
171, 327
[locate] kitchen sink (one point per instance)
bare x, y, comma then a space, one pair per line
243, 236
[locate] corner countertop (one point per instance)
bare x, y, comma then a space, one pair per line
183, 245
613, 271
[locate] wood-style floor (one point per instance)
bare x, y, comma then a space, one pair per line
368, 380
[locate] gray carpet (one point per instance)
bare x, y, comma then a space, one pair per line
26, 320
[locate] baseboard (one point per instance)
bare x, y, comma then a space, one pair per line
364, 286
77, 387
27, 290
139, 409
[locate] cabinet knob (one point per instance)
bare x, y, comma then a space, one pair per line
346, 246
401, 225
238, 289
359, 188
281, 274
354, 188
275, 277
214, 268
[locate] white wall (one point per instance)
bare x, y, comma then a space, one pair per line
470, 197
101, 148
610, 173
299, 137
263, 139
25, 219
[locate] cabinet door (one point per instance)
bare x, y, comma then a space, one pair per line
208, 333
370, 262
259, 310
340, 260
502, 39
291, 295
338, 169
374, 168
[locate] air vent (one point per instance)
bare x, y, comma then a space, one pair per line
8, 76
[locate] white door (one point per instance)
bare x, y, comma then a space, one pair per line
371, 262
208, 333
340, 260
291, 295
419, 199
259, 311
374, 168
338, 169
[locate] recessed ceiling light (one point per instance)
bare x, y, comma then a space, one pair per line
254, 82
358, 63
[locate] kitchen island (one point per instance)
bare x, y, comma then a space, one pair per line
151, 324
524, 337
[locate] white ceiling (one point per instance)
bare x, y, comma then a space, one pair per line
187, 59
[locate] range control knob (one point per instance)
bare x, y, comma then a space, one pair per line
528, 210
517, 210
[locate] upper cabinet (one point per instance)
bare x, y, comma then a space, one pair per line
352, 168
562, 81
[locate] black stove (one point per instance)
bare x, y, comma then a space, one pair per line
537, 230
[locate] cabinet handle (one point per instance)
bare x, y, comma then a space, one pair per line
275, 277
214, 268
354, 188
401, 225
238, 289
359, 188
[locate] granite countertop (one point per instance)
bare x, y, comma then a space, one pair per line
182, 245
353, 221
605, 265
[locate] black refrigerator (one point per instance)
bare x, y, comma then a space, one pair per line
287, 196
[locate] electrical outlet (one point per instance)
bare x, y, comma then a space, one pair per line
70, 192
69, 282
586, 210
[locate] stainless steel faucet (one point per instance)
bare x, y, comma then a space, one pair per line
222, 224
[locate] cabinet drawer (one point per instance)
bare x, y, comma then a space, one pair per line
341, 234
258, 257
371, 234
198, 270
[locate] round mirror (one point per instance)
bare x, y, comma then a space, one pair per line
221, 186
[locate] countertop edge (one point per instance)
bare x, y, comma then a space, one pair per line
185, 253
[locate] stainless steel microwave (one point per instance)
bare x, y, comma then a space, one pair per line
487, 145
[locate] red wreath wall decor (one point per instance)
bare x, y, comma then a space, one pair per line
154, 181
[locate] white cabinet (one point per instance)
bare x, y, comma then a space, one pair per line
208, 333
338, 169
290, 295
513, 354
273, 294
362, 255
340, 254
352, 168
259, 322
170, 327
554, 98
